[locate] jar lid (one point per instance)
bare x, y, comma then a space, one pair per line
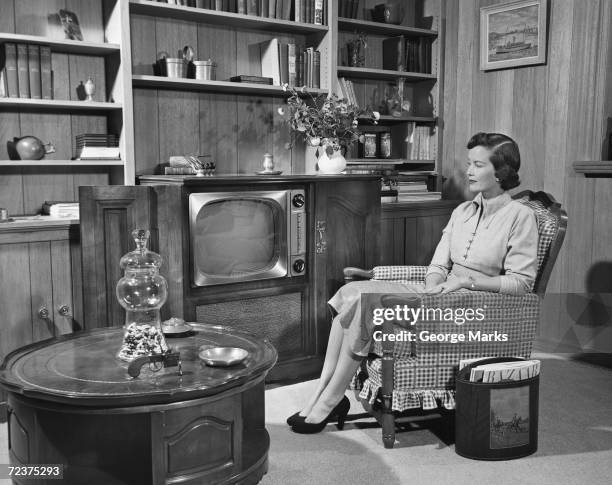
204, 63
141, 257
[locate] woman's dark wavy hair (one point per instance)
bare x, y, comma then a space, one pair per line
505, 156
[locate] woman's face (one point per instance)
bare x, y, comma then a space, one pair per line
481, 172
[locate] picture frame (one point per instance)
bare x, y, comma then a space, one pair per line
70, 23
513, 34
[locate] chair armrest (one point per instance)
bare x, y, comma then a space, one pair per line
351, 273
400, 273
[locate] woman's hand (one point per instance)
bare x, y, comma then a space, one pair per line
446, 287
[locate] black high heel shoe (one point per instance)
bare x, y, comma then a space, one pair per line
295, 418
340, 412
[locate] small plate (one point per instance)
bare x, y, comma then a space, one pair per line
269, 172
175, 326
223, 356
176, 329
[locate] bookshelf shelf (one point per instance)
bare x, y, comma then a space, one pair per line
60, 163
368, 73
179, 12
63, 45
386, 161
58, 104
161, 82
383, 29
402, 119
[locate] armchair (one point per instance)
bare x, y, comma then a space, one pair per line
399, 376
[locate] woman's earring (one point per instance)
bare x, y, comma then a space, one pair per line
496, 179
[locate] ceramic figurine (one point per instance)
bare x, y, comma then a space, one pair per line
90, 89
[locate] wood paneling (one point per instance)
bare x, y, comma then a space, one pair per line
557, 113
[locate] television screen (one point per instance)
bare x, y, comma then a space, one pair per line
235, 238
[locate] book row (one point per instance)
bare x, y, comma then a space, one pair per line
25, 71
307, 11
407, 54
288, 63
348, 9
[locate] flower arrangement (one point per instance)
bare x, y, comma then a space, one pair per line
325, 121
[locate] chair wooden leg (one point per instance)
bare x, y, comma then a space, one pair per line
388, 429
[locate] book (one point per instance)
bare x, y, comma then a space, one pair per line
3, 84
292, 64
241, 7
316, 69
70, 23
299, 66
252, 7
23, 71
67, 209
264, 7
34, 71
269, 55
286, 13
46, 79
318, 12
394, 53
283, 62
297, 13
272, 9
242, 78
98, 152
10, 64
279, 9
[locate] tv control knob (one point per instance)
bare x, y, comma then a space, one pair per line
298, 200
299, 265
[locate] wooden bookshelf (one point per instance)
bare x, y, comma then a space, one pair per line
383, 74
60, 163
162, 82
58, 104
180, 12
383, 29
67, 46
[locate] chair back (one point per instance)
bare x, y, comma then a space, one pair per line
552, 224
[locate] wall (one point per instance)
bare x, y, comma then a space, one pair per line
557, 112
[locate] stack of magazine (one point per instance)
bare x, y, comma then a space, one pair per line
95, 146
517, 370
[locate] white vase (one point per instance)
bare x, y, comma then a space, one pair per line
335, 163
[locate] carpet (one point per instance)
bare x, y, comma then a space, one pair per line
574, 446
575, 440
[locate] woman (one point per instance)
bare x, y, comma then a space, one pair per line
489, 244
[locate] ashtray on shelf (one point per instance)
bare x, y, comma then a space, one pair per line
175, 326
223, 356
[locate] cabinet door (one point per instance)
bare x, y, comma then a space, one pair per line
108, 215
36, 282
346, 233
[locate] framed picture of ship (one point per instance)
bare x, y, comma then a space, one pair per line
513, 34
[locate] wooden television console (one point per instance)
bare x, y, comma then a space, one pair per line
343, 229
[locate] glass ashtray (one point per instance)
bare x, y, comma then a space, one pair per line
175, 326
223, 356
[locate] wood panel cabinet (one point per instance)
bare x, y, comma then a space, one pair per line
410, 231
342, 229
37, 297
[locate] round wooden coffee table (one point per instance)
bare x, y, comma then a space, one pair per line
71, 402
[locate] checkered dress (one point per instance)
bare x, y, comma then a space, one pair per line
424, 372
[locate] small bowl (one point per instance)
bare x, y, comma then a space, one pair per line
223, 356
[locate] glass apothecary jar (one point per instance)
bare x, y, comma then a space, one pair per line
141, 292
